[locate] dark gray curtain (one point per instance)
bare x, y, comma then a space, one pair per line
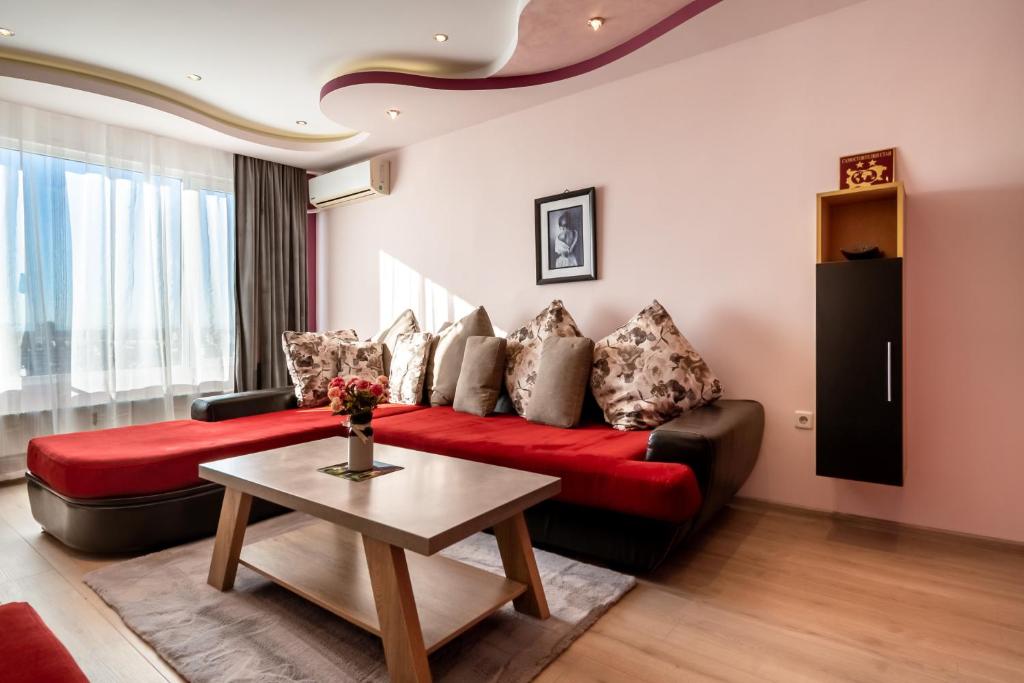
270, 268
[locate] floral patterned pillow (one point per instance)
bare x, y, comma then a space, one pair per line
405, 322
523, 350
408, 367
362, 359
311, 358
645, 373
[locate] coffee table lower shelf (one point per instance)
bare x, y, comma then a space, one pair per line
326, 564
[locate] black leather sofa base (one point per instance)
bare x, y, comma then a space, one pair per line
134, 524
624, 542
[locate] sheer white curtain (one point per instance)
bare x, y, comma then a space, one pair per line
116, 275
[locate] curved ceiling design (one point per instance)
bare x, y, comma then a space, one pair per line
260, 62
112, 84
501, 82
553, 33
263, 63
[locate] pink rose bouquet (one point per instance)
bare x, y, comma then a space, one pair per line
357, 398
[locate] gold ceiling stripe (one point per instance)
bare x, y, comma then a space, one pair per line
150, 90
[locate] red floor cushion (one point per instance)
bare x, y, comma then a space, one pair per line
165, 456
599, 466
29, 652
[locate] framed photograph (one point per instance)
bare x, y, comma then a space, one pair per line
566, 231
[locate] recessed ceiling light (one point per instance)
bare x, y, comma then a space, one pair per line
300, 122
193, 77
441, 37
393, 113
595, 22
7, 33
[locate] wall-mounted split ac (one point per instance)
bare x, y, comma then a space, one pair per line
366, 179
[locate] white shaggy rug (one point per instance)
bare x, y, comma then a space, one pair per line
261, 632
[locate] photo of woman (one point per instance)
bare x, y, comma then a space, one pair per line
566, 236
566, 249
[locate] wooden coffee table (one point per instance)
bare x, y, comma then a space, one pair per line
354, 562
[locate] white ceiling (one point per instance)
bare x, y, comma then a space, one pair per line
263, 60
263, 63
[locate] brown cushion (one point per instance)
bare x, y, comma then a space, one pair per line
561, 386
447, 354
524, 350
479, 386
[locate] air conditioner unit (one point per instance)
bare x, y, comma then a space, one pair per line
366, 179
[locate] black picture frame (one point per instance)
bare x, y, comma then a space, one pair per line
581, 258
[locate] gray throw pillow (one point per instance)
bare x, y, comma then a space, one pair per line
480, 379
523, 356
562, 378
447, 354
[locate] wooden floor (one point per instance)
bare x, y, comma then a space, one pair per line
768, 594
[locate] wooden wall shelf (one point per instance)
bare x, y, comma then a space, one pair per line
872, 215
859, 340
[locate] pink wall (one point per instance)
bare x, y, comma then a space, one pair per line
706, 173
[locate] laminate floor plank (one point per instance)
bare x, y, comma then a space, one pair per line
767, 593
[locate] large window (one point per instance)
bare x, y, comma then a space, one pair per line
116, 278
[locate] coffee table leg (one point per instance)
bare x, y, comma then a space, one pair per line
520, 565
396, 609
234, 515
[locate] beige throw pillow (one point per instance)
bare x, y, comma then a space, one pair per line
364, 360
312, 360
408, 367
524, 346
447, 355
645, 373
562, 381
479, 385
403, 324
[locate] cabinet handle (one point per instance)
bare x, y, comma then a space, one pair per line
888, 371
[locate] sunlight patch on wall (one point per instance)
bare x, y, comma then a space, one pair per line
402, 287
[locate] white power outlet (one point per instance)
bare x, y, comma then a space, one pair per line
804, 419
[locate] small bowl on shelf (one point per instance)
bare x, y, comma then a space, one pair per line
861, 252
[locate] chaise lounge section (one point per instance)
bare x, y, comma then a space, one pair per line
134, 489
627, 498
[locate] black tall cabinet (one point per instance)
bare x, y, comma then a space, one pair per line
859, 340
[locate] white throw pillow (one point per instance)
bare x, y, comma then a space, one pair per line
404, 323
409, 367
524, 346
645, 373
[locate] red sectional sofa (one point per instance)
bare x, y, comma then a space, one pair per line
29, 652
599, 467
627, 497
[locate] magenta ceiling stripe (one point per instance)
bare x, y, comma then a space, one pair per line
525, 80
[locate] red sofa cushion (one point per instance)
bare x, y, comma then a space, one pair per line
165, 456
29, 652
599, 466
